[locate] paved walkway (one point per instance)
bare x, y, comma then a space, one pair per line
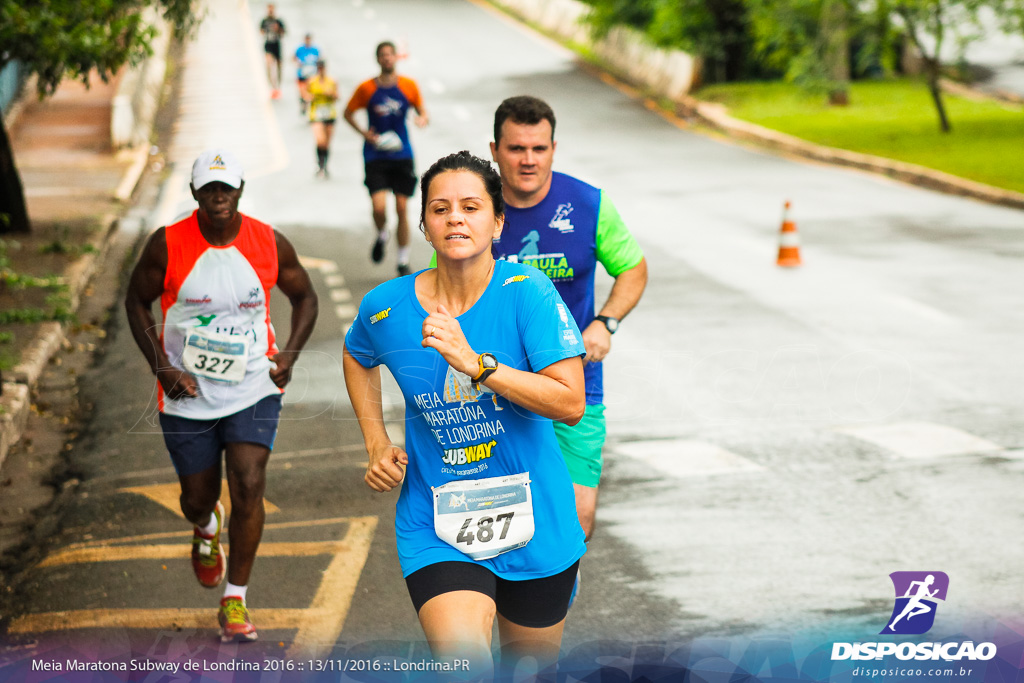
62, 148
228, 106
70, 174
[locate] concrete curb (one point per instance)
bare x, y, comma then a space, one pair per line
715, 115
138, 93
35, 356
670, 74
49, 339
134, 110
14, 406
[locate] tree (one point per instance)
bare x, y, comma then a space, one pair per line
809, 40
931, 24
58, 39
714, 30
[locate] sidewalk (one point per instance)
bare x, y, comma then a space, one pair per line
75, 186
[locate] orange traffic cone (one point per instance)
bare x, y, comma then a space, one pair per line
789, 242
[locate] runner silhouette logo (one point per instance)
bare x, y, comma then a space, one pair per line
917, 598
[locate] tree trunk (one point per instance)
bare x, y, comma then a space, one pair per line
13, 211
834, 24
936, 91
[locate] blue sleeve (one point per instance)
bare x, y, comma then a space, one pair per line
546, 327
359, 342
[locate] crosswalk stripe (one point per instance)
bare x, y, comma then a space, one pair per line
318, 626
921, 439
686, 458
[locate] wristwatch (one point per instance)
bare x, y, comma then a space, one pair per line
488, 364
610, 323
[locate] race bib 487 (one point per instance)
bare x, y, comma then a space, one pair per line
483, 518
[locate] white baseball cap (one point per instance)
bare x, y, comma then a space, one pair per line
217, 165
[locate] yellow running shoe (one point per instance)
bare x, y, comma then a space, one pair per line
235, 624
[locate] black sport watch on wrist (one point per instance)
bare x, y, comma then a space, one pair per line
488, 364
611, 324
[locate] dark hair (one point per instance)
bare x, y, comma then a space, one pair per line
386, 43
523, 109
464, 161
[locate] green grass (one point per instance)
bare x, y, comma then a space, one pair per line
894, 119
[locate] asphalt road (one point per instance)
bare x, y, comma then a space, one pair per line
780, 440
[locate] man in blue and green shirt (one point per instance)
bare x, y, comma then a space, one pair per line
565, 227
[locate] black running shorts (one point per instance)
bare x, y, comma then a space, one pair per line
534, 603
391, 174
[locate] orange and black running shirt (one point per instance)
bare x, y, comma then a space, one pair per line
386, 109
221, 293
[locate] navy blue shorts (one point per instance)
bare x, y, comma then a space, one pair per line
196, 445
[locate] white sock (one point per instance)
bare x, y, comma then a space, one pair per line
383, 236
233, 591
211, 527
403, 255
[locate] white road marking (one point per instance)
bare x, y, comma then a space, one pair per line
323, 265
461, 113
684, 458
921, 439
922, 310
396, 430
345, 311
436, 86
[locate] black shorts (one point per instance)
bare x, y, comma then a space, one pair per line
534, 603
273, 49
391, 174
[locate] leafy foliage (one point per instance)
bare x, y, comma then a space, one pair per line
56, 39
715, 30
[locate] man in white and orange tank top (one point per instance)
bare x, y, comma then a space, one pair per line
220, 375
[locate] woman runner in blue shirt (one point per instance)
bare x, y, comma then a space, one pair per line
486, 356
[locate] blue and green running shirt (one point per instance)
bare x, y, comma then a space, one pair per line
566, 235
454, 431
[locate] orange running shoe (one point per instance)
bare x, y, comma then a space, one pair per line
207, 556
235, 624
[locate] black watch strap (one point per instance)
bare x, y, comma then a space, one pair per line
611, 324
